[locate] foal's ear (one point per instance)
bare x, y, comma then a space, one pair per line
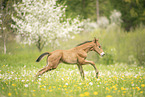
95, 40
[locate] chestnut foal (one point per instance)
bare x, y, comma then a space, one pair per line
76, 55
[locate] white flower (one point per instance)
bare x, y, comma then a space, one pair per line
62, 79
91, 83
26, 85
23, 80
39, 79
9, 77
66, 83
132, 84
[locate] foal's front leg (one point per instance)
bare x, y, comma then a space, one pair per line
93, 64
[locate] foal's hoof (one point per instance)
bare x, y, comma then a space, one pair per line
97, 75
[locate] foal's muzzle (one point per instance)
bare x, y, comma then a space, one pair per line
102, 54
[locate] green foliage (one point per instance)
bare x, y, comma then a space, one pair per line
137, 41
125, 47
132, 12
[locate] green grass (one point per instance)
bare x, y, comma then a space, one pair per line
17, 73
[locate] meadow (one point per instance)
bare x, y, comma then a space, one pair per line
17, 73
120, 30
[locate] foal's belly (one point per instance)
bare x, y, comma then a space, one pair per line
69, 57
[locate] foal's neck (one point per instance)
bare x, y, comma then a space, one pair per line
87, 47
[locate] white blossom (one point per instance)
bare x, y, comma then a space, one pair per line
103, 22
43, 19
115, 17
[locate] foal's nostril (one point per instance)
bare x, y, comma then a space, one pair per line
102, 54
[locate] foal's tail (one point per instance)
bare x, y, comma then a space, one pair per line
41, 56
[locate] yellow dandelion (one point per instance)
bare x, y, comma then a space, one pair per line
95, 93
75, 85
141, 92
122, 88
14, 85
87, 84
9, 94
107, 88
33, 94
65, 86
49, 87
115, 88
81, 95
86, 93
66, 92
142, 85
86, 88
79, 87
108, 96
138, 88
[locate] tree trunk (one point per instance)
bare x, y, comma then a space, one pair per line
4, 37
5, 48
83, 8
97, 9
40, 44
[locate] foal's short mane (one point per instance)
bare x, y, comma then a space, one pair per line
84, 43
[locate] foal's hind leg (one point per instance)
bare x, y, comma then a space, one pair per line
51, 66
81, 71
43, 70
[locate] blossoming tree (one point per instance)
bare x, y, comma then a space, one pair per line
41, 22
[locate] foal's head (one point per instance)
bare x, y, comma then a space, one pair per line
97, 47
